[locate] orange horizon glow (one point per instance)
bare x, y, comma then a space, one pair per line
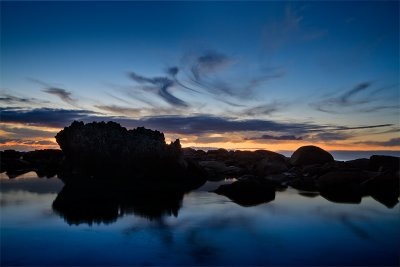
246, 145
231, 141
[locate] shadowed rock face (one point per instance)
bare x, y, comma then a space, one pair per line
308, 155
105, 149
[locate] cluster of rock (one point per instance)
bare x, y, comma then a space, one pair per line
46, 162
109, 152
311, 169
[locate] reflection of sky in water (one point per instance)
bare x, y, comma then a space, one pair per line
209, 230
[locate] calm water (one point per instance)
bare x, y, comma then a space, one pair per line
208, 230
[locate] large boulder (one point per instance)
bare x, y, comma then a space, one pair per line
105, 150
308, 155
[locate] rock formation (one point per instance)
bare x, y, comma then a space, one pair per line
108, 150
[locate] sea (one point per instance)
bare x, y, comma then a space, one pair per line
295, 229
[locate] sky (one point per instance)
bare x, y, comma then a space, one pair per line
236, 75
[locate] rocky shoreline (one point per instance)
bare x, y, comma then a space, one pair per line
107, 152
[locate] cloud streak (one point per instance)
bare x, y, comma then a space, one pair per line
388, 143
356, 99
119, 110
188, 125
44, 116
63, 94
162, 86
273, 137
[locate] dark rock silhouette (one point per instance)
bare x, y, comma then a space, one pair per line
217, 170
384, 188
104, 150
269, 166
350, 194
363, 164
338, 180
308, 155
384, 163
46, 162
248, 192
13, 164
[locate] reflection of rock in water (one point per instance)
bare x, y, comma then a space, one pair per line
248, 192
105, 201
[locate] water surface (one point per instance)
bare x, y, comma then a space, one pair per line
208, 229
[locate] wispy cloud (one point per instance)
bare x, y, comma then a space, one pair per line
187, 125
274, 137
332, 136
209, 73
24, 132
360, 98
210, 62
10, 99
390, 142
44, 116
265, 109
120, 110
63, 94
161, 86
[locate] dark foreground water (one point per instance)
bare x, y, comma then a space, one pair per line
209, 229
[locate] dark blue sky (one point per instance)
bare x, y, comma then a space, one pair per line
326, 63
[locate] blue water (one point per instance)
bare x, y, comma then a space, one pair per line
208, 230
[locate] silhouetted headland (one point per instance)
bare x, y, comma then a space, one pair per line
109, 171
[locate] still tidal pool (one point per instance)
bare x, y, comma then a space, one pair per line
208, 229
